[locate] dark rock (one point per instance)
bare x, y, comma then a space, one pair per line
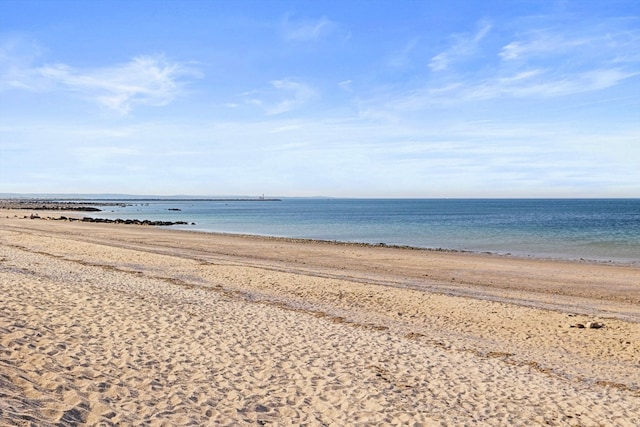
133, 221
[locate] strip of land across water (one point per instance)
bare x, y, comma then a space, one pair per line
90, 206
123, 324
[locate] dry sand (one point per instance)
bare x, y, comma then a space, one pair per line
106, 324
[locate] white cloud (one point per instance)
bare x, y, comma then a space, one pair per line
464, 45
449, 155
518, 49
280, 97
17, 55
538, 43
146, 80
402, 58
542, 85
538, 64
528, 84
586, 43
346, 85
518, 77
308, 30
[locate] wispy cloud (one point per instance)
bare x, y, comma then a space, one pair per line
283, 96
346, 85
17, 55
529, 84
539, 84
306, 30
402, 58
300, 93
603, 43
541, 43
540, 63
151, 80
464, 45
146, 80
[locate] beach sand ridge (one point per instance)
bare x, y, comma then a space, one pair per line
108, 324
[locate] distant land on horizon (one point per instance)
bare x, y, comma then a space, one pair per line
155, 197
116, 196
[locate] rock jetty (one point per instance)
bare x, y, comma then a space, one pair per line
132, 221
112, 221
40, 205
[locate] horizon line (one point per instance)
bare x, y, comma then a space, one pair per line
147, 197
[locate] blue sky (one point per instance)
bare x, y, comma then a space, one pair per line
337, 98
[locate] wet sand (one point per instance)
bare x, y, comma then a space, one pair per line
115, 324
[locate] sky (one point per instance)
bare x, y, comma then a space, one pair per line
354, 98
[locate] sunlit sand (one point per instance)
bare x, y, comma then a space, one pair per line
127, 325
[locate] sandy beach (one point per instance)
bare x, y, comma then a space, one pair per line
111, 324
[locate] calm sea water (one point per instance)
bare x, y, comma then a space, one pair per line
594, 229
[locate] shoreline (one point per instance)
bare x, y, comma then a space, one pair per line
113, 323
72, 216
498, 284
418, 248
548, 249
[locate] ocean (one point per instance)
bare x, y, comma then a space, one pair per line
606, 230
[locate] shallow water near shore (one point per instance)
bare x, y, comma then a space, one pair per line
591, 229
